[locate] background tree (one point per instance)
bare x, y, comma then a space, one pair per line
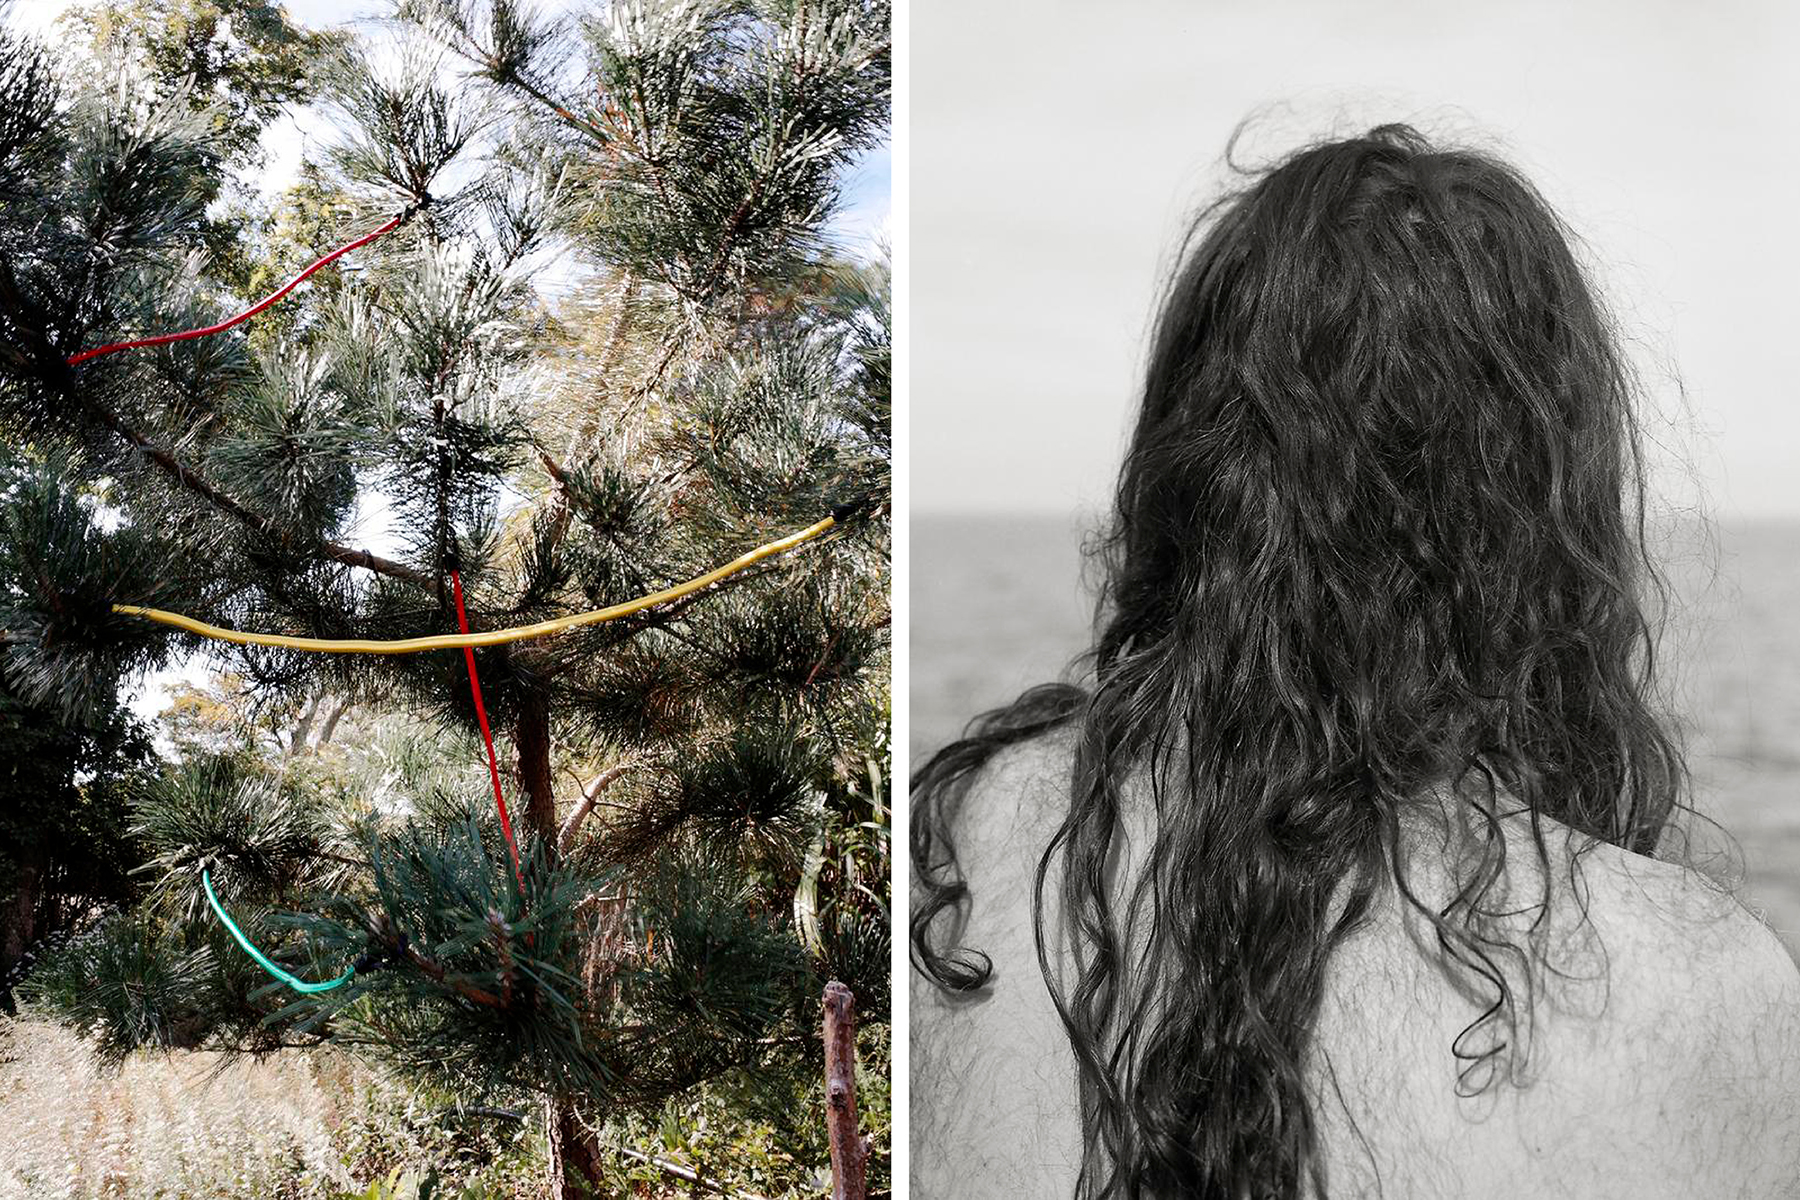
237, 64
700, 796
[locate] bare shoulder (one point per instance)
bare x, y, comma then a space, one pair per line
1664, 920
1707, 998
1661, 1051
1012, 807
993, 1090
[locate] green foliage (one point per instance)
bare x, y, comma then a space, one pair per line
69, 753
481, 987
301, 225
103, 189
841, 904
166, 974
127, 983
858, 301
295, 439
29, 149
64, 810
716, 978
754, 788
58, 560
484, 989
405, 128
796, 653
411, 1185
723, 150
758, 1130
707, 138
256, 833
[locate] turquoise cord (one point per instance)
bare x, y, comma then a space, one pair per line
299, 985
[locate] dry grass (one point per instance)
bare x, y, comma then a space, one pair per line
184, 1125
319, 1125
301, 1125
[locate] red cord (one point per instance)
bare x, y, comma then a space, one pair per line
462, 617
462, 620
259, 306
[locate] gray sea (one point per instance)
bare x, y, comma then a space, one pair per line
998, 605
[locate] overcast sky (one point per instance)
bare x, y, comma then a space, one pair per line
1057, 149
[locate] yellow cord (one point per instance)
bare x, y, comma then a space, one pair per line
495, 637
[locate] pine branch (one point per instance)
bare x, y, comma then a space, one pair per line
197, 483
616, 342
504, 74
52, 369
590, 796
435, 970
734, 225
518, 80
610, 355
662, 368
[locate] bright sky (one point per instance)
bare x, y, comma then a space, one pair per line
1056, 156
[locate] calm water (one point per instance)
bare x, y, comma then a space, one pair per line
997, 605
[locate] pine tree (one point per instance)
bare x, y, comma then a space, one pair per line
717, 378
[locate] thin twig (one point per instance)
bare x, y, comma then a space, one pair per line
437, 972
687, 1173
339, 858
590, 795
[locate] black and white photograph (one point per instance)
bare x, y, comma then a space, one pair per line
1354, 558
1290, 511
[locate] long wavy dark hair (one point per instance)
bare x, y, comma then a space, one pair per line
1379, 536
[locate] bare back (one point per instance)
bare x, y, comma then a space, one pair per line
1664, 1059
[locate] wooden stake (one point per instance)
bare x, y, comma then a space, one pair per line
849, 1148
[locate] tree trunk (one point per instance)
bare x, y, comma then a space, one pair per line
574, 1152
303, 727
20, 928
535, 780
849, 1148
331, 722
18, 925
